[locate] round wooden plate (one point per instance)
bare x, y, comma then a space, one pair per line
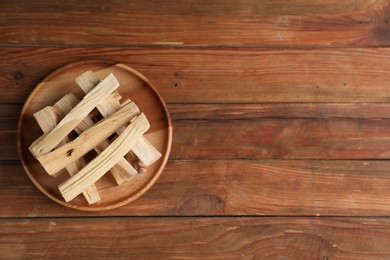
133, 86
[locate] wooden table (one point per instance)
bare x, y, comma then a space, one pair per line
281, 117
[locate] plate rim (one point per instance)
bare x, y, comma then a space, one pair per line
143, 188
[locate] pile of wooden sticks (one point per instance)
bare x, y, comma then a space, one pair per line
118, 133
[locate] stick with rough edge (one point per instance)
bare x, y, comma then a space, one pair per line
106, 160
87, 140
143, 149
123, 171
47, 119
74, 117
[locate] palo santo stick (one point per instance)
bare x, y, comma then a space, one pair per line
144, 150
87, 81
122, 171
74, 117
47, 119
106, 160
86, 141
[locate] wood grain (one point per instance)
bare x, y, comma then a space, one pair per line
278, 110
193, 75
227, 23
296, 138
231, 187
9, 114
282, 138
197, 238
8, 150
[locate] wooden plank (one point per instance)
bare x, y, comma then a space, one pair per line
56, 160
74, 117
191, 75
122, 171
310, 138
230, 187
221, 22
106, 160
47, 119
282, 138
197, 238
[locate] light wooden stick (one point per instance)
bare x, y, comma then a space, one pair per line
47, 119
123, 171
106, 160
145, 152
87, 81
143, 149
86, 141
74, 117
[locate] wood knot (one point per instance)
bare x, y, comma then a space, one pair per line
18, 75
69, 153
381, 30
202, 204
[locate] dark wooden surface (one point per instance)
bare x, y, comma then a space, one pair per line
281, 117
199, 238
221, 22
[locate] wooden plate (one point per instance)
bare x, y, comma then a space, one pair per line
133, 86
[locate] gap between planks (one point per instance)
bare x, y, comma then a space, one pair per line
191, 46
